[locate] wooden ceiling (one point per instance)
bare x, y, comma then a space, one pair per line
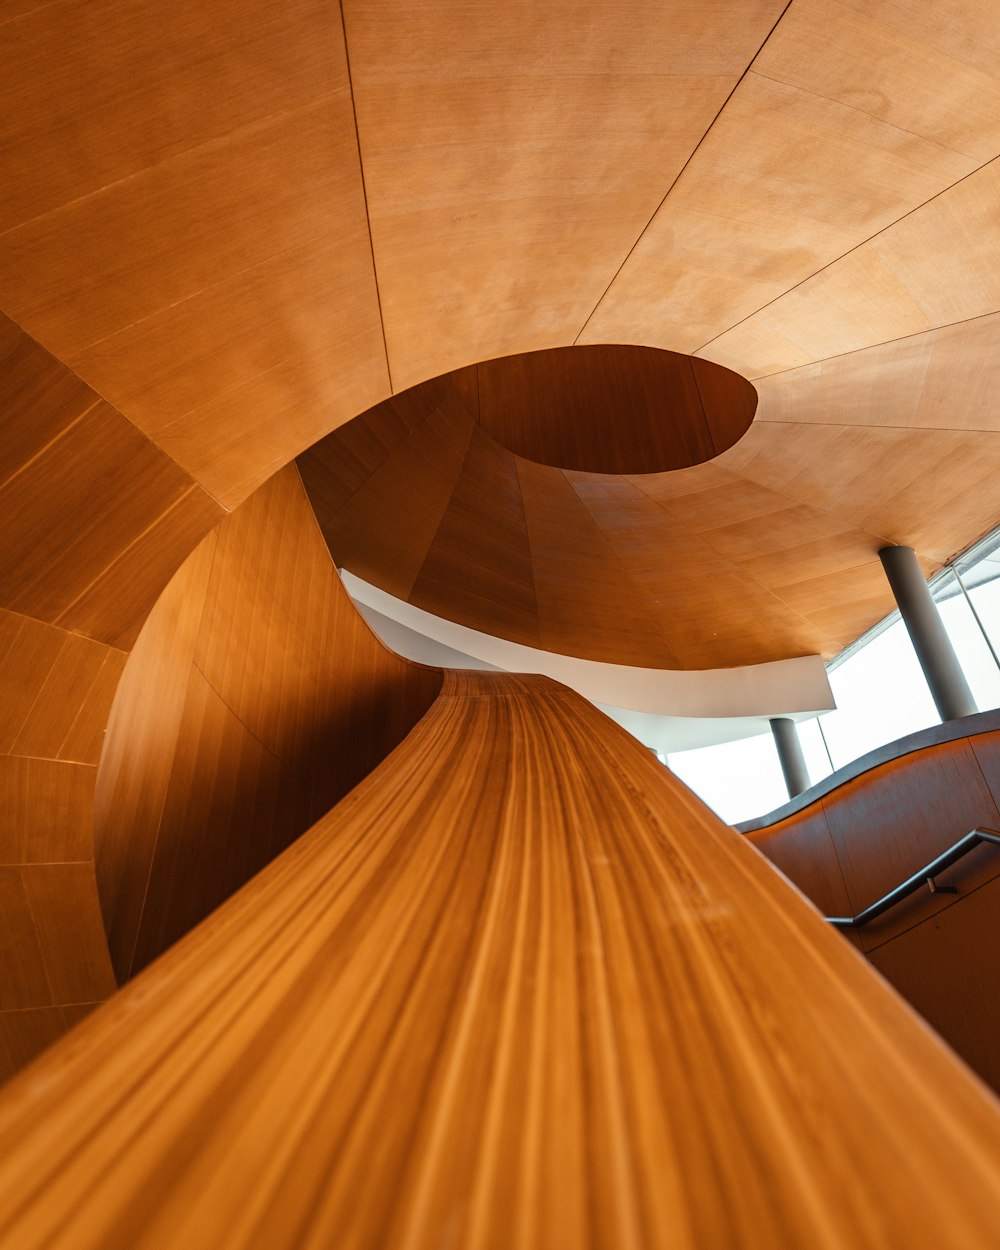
612, 409
241, 227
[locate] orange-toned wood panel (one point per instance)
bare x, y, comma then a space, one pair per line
96, 517
938, 266
802, 848
516, 991
255, 698
946, 966
382, 532
848, 120
184, 223
55, 694
613, 409
509, 167
480, 561
610, 620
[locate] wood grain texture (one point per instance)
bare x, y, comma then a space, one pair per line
520, 988
746, 558
254, 699
849, 119
96, 517
861, 839
613, 409
202, 258
509, 169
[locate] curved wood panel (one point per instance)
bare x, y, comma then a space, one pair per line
890, 815
694, 568
613, 409
255, 698
520, 989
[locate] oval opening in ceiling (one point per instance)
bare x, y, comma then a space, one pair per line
613, 408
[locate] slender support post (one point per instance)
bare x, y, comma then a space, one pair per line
793, 762
936, 656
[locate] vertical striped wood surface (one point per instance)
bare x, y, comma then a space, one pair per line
519, 989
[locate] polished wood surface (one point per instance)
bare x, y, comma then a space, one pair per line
520, 988
255, 698
612, 409
240, 228
858, 840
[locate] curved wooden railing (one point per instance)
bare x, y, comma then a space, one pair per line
519, 989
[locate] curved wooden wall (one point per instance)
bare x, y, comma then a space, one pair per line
255, 698
95, 519
857, 842
519, 989
683, 569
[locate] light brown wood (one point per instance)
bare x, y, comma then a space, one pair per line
519, 989
509, 169
254, 699
849, 119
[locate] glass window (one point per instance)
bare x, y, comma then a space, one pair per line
738, 780
881, 695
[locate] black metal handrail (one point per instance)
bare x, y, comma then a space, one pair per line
926, 876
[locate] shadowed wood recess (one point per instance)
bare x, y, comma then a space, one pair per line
612, 409
255, 698
519, 989
759, 554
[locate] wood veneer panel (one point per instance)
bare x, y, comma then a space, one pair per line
947, 968
47, 811
516, 990
228, 810
206, 268
384, 531
25, 1034
585, 598
484, 131
187, 82
141, 741
55, 690
57, 954
480, 562
802, 848
254, 700
807, 149
889, 822
613, 409
96, 516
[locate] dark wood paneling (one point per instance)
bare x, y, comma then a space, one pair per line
25, 1034
480, 560
947, 967
804, 851
890, 822
613, 409
516, 990
255, 698
45, 811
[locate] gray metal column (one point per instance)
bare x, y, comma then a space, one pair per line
793, 762
935, 653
